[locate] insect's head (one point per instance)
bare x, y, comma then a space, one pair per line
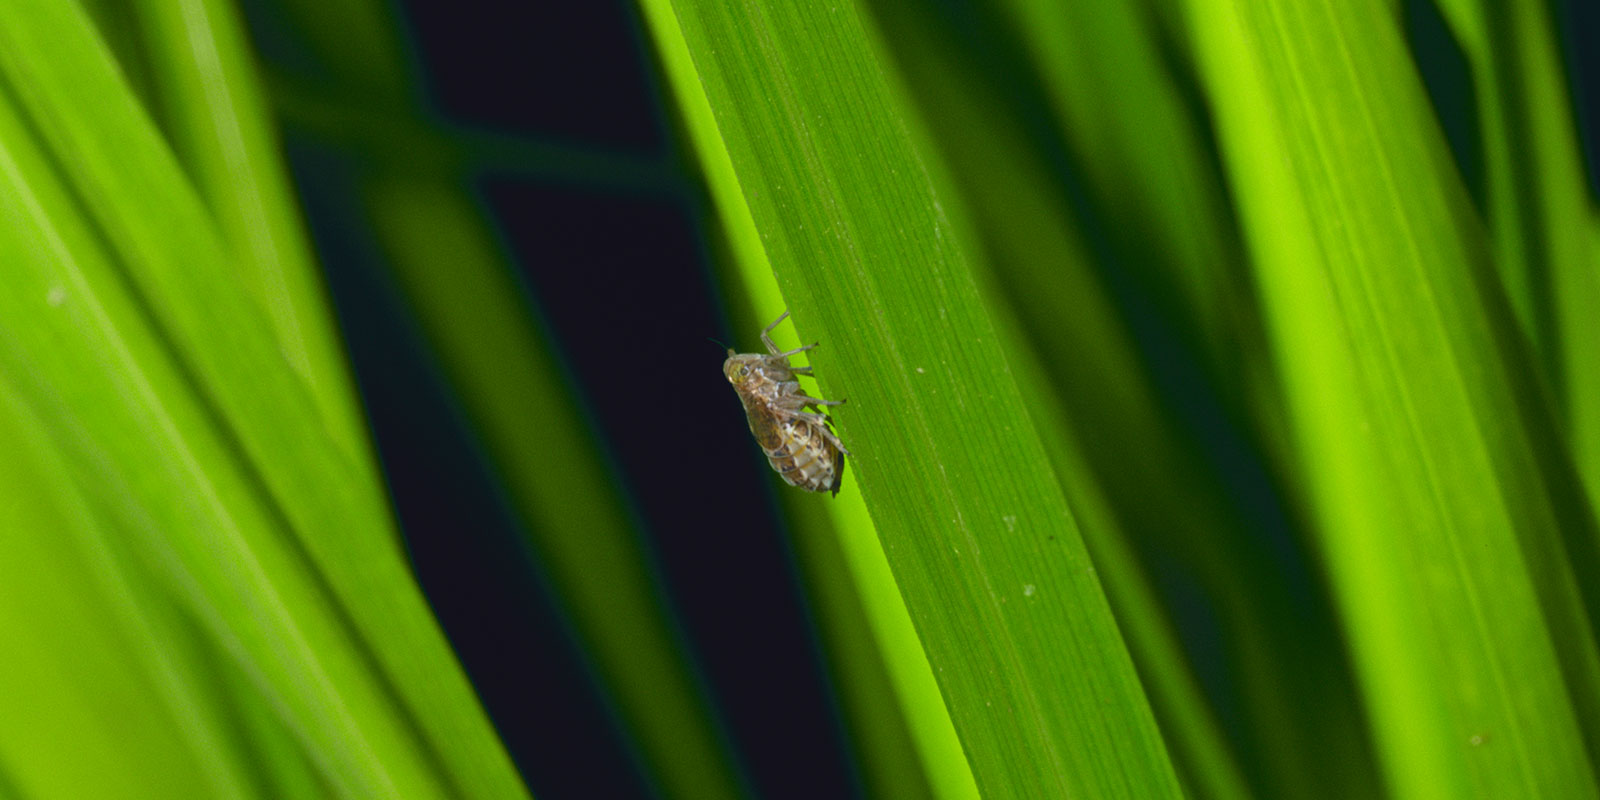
740, 369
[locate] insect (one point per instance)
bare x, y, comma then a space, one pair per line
799, 444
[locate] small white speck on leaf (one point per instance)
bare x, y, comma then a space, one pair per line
1011, 522
921, 371
1476, 740
1027, 590
56, 296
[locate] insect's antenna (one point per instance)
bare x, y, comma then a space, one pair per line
717, 343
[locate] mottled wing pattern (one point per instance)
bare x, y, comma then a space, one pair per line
805, 458
799, 444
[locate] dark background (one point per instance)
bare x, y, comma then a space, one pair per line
614, 248
612, 245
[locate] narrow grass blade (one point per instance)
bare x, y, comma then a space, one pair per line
991, 565
1136, 150
854, 589
1583, 385
182, 506
1539, 210
874, 720
940, 758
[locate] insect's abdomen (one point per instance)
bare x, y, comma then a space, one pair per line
805, 458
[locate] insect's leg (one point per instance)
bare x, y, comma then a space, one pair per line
817, 401
766, 333
766, 339
795, 400
787, 410
834, 439
806, 371
796, 351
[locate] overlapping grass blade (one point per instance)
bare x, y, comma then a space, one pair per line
1138, 151
81, 638
199, 448
212, 110
1135, 414
1438, 488
1539, 206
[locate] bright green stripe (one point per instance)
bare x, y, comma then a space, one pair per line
876, 726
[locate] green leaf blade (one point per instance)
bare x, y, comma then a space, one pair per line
959, 486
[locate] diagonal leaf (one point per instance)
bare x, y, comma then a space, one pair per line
217, 121
81, 638
1438, 487
962, 495
1539, 211
940, 759
158, 376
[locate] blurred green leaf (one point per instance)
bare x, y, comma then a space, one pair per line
1540, 211
413, 178
1121, 414
1439, 491
155, 372
218, 124
1583, 385
1139, 153
476, 317
80, 640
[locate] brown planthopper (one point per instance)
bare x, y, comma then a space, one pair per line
798, 443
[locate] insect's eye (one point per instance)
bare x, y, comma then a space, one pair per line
743, 371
